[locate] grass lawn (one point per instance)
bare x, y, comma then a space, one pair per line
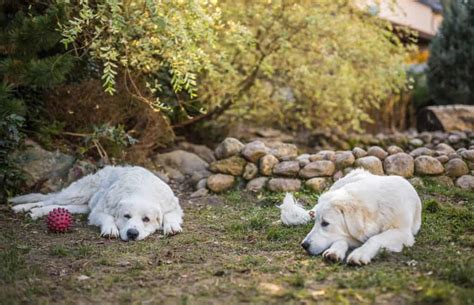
232, 251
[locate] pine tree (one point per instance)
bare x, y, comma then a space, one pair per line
31, 59
451, 65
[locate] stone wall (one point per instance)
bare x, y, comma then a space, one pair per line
279, 167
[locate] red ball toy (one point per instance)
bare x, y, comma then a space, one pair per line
59, 220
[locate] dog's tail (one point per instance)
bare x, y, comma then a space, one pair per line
29, 198
292, 213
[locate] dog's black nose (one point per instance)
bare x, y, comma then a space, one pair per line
132, 234
305, 245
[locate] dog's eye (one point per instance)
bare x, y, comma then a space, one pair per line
146, 219
127, 216
324, 223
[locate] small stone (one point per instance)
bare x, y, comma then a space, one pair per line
347, 170
233, 166
321, 168
444, 149
267, 163
228, 148
285, 151
253, 151
453, 156
250, 171
426, 137
416, 182
422, 151
454, 139
199, 193
344, 159
456, 168
400, 164
468, 155
370, 163
197, 176
328, 155
426, 165
257, 184
378, 152
443, 158
202, 184
284, 185
317, 184
303, 160
443, 181
338, 175
465, 182
220, 182
359, 152
202, 151
394, 149
287, 168
416, 142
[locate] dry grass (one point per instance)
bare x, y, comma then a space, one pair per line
233, 252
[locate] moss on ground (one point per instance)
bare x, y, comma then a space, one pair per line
235, 251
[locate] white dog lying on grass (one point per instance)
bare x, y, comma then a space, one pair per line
361, 211
130, 202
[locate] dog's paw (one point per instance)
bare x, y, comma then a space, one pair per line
110, 231
20, 208
333, 255
171, 228
359, 257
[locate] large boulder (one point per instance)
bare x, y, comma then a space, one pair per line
318, 184
323, 168
370, 163
426, 165
253, 151
465, 182
220, 182
267, 163
400, 164
233, 166
42, 168
182, 161
287, 168
456, 168
284, 185
446, 118
257, 184
228, 148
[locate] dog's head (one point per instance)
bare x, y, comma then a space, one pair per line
335, 220
136, 219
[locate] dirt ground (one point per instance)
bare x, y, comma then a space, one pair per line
233, 251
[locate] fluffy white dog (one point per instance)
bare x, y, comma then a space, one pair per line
130, 202
361, 211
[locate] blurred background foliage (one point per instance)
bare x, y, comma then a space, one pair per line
143, 71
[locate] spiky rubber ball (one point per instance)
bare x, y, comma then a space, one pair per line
59, 220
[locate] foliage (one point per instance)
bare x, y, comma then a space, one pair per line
451, 65
31, 59
292, 63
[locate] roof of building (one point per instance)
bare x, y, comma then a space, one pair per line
435, 5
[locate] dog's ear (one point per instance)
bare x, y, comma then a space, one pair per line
359, 221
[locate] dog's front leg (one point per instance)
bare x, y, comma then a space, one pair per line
391, 240
337, 251
106, 222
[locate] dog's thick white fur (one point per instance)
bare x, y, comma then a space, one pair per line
130, 202
361, 211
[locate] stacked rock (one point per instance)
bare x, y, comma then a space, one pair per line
278, 167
